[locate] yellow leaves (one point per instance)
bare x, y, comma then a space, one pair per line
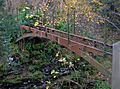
26, 8
78, 59
71, 3
90, 18
47, 87
81, 6
63, 60
57, 54
100, 22
85, 8
54, 73
48, 84
23, 10
29, 16
45, 7
54, 76
97, 2
36, 23
71, 64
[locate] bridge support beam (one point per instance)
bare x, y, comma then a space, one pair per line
116, 66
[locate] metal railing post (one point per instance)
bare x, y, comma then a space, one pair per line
68, 29
116, 66
74, 23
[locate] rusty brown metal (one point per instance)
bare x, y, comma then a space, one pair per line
77, 45
74, 47
85, 43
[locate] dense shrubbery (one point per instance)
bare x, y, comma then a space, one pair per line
48, 62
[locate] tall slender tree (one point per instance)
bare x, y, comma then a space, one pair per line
1, 32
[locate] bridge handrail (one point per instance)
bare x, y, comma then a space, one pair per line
64, 34
86, 38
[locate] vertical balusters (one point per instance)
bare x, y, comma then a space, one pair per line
68, 29
44, 17
74, 22
53, 22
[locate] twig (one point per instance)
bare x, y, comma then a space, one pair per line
110, 22
73, 82
116, 13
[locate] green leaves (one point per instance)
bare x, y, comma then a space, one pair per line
1, 3
102, 85
25, 17
61, 26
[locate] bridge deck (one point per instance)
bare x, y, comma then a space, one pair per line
82, 46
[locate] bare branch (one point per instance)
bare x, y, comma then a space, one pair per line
118, 29
116, 13
73, 82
